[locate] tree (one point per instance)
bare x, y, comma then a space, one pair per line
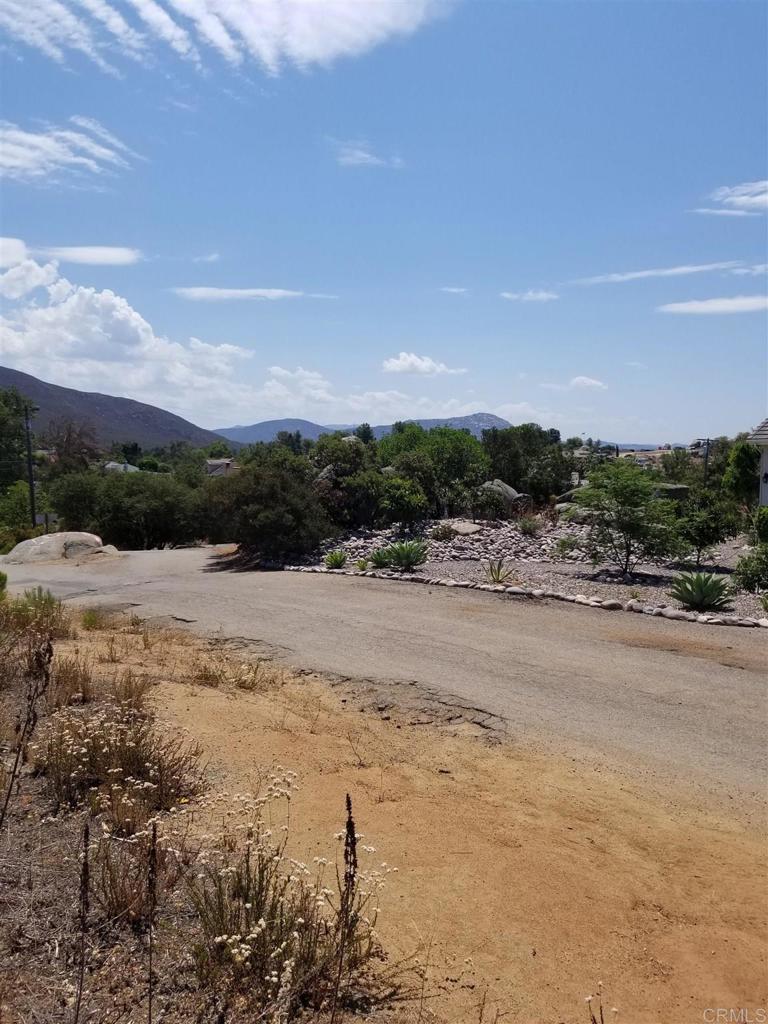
12, 452
146, 510
403, 501
360, 497
708, 518
74, 497
679, 466
365, 432
528, 458
73, 446
627, 524
219, 450
742, 477
269, 512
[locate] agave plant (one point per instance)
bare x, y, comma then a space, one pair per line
701, 591
380, 558
497, 570
336, 559
361, 564
407, 554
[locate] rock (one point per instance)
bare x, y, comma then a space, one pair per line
763, 623
54, 546
465, 529
674, 613
613, 606
512, 498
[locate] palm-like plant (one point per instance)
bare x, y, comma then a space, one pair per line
407, 554
497, 571
336, 559
701, 591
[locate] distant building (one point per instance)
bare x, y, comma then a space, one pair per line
759, 436
220, 467
120, 467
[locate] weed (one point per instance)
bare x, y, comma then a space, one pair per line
130, 689
40, 612
336, 559
72, 682
94, 619
565, 545
110, 654
209, 673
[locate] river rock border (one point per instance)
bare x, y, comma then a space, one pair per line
611, 605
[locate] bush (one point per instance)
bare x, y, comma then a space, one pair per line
708, 519
38, 611
269, 512
407, 554
701, 591
751, 572
403, 501
488, 504
758, 527
529, 526
443, 531
565, 545
336, 559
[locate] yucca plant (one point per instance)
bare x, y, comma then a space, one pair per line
497, 570
336, 559
407, 554
701, 591
380, 558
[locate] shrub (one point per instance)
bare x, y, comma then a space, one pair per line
497, 571
708, 519
270, 512
407, 554
38, 611
751, 572
488, 504
565, 545
3, 584
701, 591
443, 531
94, 618
72, 682
403, 501
336, 559
381, 558
529, 526
758, 526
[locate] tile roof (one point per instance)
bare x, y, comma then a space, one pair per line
760, 434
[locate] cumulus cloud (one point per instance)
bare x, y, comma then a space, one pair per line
679, 271
409, 362
271, 32
12, 251
532, 295
580, 383
359, 153
25, 277
734, 304
61, 153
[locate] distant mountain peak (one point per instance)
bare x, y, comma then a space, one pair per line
267, 430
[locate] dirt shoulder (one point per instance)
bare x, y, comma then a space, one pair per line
523, 877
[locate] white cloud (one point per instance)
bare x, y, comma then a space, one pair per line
756, 270
93, 255
61, 153
532, 295
12, 251
580, 383
409, 362
25, 277
454, 291
680, 271
736, 304
271, 32
211, 257
750, 197
358, 153
636, 365
206, 294
723, 212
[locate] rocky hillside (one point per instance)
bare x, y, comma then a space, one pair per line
268, 430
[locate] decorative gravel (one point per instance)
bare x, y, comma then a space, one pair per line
539, 567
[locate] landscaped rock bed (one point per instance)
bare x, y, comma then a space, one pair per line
541, 567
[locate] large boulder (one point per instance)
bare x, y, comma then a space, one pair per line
512, 498
55, 546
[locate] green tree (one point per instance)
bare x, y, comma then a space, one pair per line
741, 477
528, 458
680, 467
365, 432
627, 524
403, 502
269, 512
12, 443
707, 519
74, 498
146, 510
219, 450
347, 454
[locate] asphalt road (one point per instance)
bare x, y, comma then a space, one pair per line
669, 700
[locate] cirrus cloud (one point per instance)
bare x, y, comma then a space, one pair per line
532, 295
705, 307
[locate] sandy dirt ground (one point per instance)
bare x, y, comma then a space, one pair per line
524, 878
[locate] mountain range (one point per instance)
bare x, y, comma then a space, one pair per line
269, 429
113, 420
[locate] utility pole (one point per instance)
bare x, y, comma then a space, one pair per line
30, 468
707, 443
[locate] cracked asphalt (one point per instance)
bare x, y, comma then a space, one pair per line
671, 701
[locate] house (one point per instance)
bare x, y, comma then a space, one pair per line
220, 467
120, 467
759, 436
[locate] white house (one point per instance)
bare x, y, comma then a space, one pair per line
759, 436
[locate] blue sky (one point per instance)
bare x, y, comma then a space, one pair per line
374, 209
